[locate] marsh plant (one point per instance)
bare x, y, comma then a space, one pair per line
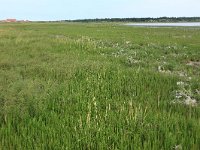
99, 86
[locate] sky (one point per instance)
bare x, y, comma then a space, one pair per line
36, 10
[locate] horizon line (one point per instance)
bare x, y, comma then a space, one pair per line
98, 18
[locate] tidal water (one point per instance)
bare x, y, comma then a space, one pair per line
182, 24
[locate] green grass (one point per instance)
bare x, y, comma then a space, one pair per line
99, 86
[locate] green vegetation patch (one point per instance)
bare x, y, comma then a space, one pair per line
99, 86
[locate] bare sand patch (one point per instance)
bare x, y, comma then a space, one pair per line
194, 63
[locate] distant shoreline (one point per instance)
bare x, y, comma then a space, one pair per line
125, 20
148, 20
177, 24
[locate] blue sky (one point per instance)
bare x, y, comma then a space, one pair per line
80, 9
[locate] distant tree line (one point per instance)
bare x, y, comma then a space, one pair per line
161, 19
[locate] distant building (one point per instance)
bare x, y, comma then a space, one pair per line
14, 20
11, 20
